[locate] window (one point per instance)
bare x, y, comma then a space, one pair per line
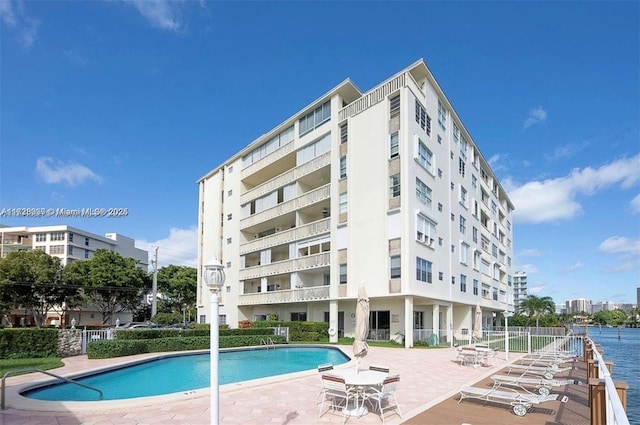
86, 253
343, 273
461, 167
315, 118
229, 217
439, 173
70, 250
41, 237
228, 264
456, 133
495, 294
228, 241
463, 224
70, 237
463, 283
394, 185
485, 267
222, 319
425, 157
476, 259
453, 280
475, 234
423, 193
425, 230
474, 183
442, 115
484, 243
439, 207
423, 270
229, 192
395, 268
439, 139
422, 118
485, 291
56, 249
343, 167
440, 276
58, 236
230, 169
266, 148
475, 287
299, 317
464, 199
42, 248
86, 241
463, 148
464, 253
344, 132
394, 148
343, 203
494, 250
394, 106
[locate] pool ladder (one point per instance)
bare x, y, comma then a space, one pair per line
31, 369
268, 343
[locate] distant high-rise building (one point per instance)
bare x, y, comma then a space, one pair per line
638, 296
578, 306
519, 288
561, 309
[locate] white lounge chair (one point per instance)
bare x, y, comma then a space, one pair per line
546, 371
541, 384
519, 402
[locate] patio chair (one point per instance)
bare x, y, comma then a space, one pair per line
336, 394
379, 368
325, 367
384, 397
519, 402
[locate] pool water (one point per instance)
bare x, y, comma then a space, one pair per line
180, 373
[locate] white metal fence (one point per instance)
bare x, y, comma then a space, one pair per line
615, 412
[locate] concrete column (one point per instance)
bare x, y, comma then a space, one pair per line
435, 318
333, 319
408, 321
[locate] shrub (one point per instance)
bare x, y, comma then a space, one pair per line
167, 318
25, 343
244, 324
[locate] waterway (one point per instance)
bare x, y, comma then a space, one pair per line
624, 351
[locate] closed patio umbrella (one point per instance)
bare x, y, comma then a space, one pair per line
477, 324
360, 346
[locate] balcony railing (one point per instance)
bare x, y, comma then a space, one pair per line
272, 157
372, 97
286, 178
315, 228
286, 266
314, 293
309, 198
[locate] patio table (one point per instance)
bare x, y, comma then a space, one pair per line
360, 380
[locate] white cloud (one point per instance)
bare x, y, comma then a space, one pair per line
635, 204
572, 268
528, 268
566, 151
555, 199
529, 253
536, 115
54, 171
628, 251
180, 248
162, 14
23, 27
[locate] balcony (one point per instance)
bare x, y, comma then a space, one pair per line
316, 228
308, 198
286, 178
286, 266
314, 293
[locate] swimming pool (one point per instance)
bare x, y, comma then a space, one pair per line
185, 372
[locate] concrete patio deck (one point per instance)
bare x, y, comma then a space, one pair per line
427, 377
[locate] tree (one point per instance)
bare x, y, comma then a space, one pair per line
178, 285
534, 306
33, 281
110, 282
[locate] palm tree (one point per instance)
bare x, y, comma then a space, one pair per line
534, 306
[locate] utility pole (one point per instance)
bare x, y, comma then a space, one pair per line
154, 287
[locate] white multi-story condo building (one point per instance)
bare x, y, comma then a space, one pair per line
385, 189
68, 243
579, 305
519, 288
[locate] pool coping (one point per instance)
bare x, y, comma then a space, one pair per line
14, 399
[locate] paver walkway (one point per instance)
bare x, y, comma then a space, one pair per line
427, 377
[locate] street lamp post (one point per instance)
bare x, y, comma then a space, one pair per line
213, 275
507, 314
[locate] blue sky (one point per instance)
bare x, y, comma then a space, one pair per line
108, 104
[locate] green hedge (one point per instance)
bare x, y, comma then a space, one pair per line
25, 343
300, 331
103, 349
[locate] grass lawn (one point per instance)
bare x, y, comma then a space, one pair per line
14, 364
